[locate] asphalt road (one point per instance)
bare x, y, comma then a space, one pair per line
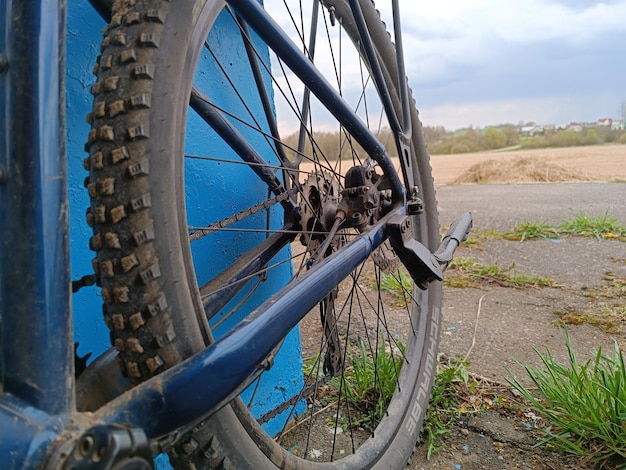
501, 206
513, 321
493, 326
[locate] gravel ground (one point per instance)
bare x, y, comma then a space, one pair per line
497, 324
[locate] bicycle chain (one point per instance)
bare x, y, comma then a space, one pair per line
91, 279
201, 232
307, 391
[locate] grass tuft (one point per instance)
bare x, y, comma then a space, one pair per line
582, 225
398, 283
530, 230
444, 403
467, 272
601, 226
370, 382
584, 402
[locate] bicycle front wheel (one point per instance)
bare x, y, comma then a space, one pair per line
168, 210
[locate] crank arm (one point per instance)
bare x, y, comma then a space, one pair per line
424, 266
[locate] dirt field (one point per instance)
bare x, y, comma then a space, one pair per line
601, 162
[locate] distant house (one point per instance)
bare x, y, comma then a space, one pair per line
608, 122
575, 126
617, 125
531, 130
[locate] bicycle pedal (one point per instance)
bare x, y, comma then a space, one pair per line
456, 234
424, 266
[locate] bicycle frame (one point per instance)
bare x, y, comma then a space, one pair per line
37, 408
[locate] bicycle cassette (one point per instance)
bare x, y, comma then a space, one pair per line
318, 202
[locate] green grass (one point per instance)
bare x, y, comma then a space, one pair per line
477, 236
444, 404
314, 366
529, 230
582, 225
398, 283
370, 382
601, 226
467, 272
584, 402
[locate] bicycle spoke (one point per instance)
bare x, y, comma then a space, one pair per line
237, 179
357, 302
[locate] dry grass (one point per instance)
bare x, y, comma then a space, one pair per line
596, 163
521, 170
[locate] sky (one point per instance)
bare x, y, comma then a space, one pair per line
487, 62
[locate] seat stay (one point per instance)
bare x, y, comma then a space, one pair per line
301, 65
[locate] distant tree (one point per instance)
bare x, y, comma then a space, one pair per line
605, 134
568, 138
434, 134
493, 138
512, 134
460, 147
591, 137
534, 143
444, 142
440, 148
471, 138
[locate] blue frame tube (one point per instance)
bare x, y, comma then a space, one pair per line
377, 73
252, 11
34, 255
25, 433
201, 105
180, 394
223, 287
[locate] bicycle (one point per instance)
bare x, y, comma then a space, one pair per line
335, 220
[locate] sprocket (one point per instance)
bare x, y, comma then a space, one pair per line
385, 258
318, 202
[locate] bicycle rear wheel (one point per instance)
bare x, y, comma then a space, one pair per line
159, 288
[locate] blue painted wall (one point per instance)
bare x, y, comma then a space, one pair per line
210, 192
84, 28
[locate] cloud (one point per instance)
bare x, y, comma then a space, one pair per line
553, 110
492, 61
512, 21
452, 32
468, 55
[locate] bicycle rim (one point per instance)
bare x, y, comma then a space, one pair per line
384, 338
